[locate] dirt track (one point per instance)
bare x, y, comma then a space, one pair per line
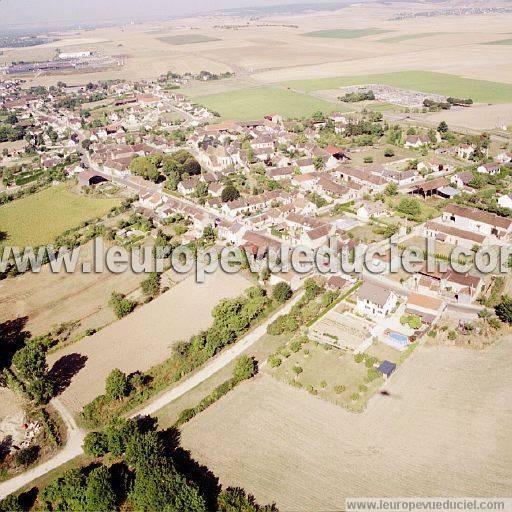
444, 430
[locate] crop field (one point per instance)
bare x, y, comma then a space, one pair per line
408, 37
187, 39
426, 81
308, 454
504, 42
37, 219
346, 33
253, 103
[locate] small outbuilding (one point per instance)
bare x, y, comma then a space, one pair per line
387, 368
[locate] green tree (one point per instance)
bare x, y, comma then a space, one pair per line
201, 189
121, 305
151, 285
209, 234
11, 504
99, 494
229, 193
391, 189
281, 292
410, 207
442, 127
245, 368
95, 444
504, 310
117, 385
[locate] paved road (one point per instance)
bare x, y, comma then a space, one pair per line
76, 436
73, 448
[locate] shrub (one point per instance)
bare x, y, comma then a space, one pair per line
95, 444
340, 388
359, 358
354, 397
27, 456
389, 152
494, 323
370, 361
452, 335
372, 374
311, 389
121, 305
363, 388
432, 333
281, 292
274, 361
323, 384
368, 160
295, 346
297, 370
504, 310
245, 368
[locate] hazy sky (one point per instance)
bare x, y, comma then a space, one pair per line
16, 12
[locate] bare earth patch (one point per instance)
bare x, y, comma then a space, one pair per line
443, 430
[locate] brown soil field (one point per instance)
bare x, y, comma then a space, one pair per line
144, 338
443, 429
49, 299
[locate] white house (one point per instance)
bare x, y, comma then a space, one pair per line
505, 157
465, 151
491, 168
369, 210
416, 141
375, 301
505, 201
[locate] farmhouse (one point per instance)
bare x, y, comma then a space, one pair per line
416, 141
492, 168
477, 220
373, 300
453, 235
370, 210
430, 188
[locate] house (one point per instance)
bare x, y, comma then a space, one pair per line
465, 151
150, 200
492, 168
386, 368
89, 178
505, 157
375, 301
280, 173
336, 283
453, 235
416, 141
430, 187
188, 187
428, 308
505, 201
478, 221
215, 189
369, 210
292, 279
462, 179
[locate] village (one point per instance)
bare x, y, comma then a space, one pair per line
188, 177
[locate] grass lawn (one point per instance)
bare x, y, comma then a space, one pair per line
504, 42
346, 33
37, 219
407, 37
482, 91
254, 103
187, 39
323, 369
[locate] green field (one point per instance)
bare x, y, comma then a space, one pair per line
500, 42
254, 103
346, 33
187, 39
37, 219
481, 91
408, 37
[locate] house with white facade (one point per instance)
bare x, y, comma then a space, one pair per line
375, 301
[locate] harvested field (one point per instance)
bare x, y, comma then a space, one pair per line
426, 81
254, 103
146, 336
346, 33
443, 430
37, 219
187, 39
409, 37
49, 299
